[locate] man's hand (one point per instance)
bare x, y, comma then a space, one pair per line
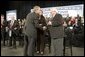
69, 23
44, 27
40, 24
65, 25
15, 28
49, 23
1, 26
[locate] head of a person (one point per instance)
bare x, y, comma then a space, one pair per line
67, 15
77, 15
53, 11
73, 17
41, 12
13, 18
2, 16
36, 9
18, 19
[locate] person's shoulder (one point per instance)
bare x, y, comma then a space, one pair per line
42, 16
59, 14
29, 14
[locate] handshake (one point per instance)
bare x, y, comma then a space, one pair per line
44, 27
15, 28
40, 24
49, 23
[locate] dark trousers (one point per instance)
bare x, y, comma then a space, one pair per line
40, 41
13, 39
48, 39
7, 37
29, 45
3, 36
21, 38
10, 41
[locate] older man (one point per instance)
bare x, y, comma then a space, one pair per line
57, 33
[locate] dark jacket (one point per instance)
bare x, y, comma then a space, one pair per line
43, 22
4, 25
57, 30
31, 24
15, 24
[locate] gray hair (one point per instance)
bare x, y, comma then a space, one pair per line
53, 9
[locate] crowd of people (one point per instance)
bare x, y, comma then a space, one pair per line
35, 31
11, 31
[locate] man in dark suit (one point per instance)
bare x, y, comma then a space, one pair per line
20, 33
15, 32
30, 31
3, 25
13, 28
57, 33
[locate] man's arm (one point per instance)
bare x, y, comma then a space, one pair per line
36, 24
39, 26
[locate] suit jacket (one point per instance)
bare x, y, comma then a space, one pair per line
57, 30
31, 24
42, 21
15, 25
